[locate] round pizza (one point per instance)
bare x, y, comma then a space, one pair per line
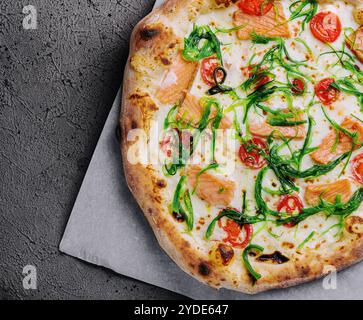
242, 136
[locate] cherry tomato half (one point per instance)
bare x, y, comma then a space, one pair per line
357, 168
207, 70
170, 141
326, 93
260, 79
255, 7
297, 86
250, 153
290, 204
233, 230
326, 26
165, 146
170, 144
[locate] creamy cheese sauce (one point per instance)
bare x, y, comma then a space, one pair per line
236, 55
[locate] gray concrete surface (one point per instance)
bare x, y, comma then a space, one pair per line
57, 84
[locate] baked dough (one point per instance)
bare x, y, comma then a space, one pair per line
149, 92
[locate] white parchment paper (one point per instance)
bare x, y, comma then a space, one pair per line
107, 228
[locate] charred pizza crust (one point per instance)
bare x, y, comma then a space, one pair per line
155, 43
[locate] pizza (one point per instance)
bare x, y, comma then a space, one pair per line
242, 136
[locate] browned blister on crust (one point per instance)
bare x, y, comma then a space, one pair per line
225, 3
354, 224
159, 40
221, 254
143, 109
154, 46
358, 14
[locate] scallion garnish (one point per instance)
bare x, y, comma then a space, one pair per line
239, 217
247, 263
229, 30
305, 9
182, 203
346, 85
309, 237
201, 43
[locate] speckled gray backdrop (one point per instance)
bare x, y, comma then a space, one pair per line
57, 85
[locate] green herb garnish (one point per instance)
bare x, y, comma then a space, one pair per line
338, 208
305, 9
239, 217
347, 61
346, 85
229, 30
247, 263
309, 237
184, 153
182, 203
201, 43
278, 122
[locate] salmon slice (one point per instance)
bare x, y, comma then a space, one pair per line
328, 192
355, 43
191, 111
272, 24
263, 129
176, 81
329, 150
209, 188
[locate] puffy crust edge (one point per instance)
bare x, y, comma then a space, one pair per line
146, 188
144, 184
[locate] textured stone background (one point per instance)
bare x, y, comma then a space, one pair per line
57, 85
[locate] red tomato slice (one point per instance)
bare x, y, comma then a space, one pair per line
233, 230
325, 92
250, 153
290, 204
298, 86
171, 140
326, 26
357, 168
165, 146
260, 80
207, 70
255, 7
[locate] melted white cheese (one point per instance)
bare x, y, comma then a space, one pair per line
236, 54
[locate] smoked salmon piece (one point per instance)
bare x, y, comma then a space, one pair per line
191, 111
329, 149
355, 43
272, 24
213, 190
176, 81
263, 129
328, 192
